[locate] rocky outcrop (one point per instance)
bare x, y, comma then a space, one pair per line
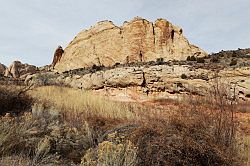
2, 69
152, 82
19, 70
138, 40
57, 56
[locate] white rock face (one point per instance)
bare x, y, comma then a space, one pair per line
135, 41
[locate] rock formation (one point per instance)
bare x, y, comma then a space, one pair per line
135, 41
19, 70
151, 82
2, 69
57, 56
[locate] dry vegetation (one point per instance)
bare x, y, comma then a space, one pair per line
14, 100
76, 101
73, 127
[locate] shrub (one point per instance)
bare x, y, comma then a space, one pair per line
42, 140
200, 60
109, 153
117, 64
233, 62
234, 54
183, 141
14, 100
197, 136
97, 68
13, 136
215, 59
184, 76
160, 61
192, 58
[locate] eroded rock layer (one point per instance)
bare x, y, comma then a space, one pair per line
152, 82
138, 40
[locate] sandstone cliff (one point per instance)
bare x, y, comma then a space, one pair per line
135, 41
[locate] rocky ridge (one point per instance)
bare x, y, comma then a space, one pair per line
136, 41
146, 81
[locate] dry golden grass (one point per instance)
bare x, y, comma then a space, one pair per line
245, 150
16, 161
72, 100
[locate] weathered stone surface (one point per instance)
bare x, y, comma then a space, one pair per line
152, 82
135, 41
44, 78
57, 56
124, 77
238, 78
119, 77
2, 69
19, 70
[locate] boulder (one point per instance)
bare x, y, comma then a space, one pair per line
136, 41
2, 69
19, 70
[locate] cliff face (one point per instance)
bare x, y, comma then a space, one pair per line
135, 41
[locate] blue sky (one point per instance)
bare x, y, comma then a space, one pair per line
30, 30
